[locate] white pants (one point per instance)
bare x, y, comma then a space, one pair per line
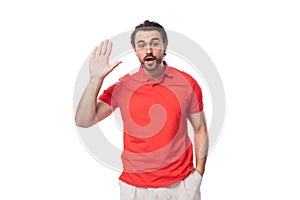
187, 189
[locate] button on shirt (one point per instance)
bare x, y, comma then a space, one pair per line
157, 149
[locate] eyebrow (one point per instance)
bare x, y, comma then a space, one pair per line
150, 40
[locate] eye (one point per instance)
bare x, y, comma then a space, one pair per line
141, 45
155, 44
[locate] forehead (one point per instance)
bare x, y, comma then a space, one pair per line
147, 35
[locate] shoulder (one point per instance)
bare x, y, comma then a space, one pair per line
128, 78
129, 81
187, 76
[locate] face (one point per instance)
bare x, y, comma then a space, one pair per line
149, 49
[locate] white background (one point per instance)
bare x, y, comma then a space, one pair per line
254, 44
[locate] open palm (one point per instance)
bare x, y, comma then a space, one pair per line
99, 63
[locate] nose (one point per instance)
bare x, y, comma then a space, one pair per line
149, 49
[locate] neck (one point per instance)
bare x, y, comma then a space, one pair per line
156, 74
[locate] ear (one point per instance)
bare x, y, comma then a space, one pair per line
165, 49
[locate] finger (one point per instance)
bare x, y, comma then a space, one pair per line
94, 52
114, 65
109, 48
104, 49
100, 48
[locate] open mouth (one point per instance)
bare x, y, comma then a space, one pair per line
149, 59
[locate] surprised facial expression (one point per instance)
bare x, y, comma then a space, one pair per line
149, 49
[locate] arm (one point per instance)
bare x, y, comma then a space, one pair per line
200, 140
89, 110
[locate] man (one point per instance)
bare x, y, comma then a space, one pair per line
155, 104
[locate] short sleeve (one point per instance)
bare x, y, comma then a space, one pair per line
196, 103
107, 96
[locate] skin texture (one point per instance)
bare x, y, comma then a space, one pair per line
150, 52
89, 110
200, 140
149, 44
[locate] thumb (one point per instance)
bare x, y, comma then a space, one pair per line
112, 66
116, 64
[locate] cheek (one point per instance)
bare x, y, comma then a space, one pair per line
158, 52
140, 54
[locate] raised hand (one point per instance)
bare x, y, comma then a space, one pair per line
99, 63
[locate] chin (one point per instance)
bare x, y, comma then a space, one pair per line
151, 67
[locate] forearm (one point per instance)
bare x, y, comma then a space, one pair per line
86, 110
201, 149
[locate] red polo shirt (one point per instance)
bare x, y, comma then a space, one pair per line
157, 149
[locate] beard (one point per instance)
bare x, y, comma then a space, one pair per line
151, 62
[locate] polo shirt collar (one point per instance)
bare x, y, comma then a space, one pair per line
143, 77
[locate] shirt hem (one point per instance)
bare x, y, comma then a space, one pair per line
165, 184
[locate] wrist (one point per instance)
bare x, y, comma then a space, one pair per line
200, 171
96, 80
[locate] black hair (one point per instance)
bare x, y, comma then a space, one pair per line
150, 26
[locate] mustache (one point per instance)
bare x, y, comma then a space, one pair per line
149, 56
